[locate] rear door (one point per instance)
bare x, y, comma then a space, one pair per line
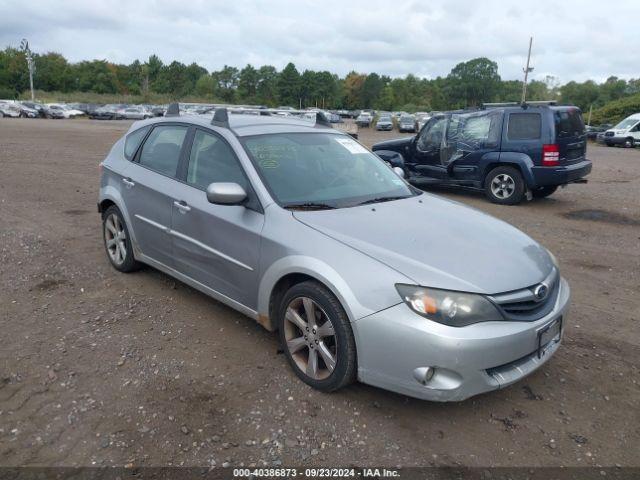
571, 136
216, 245
148, 184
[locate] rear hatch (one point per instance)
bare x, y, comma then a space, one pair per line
571, 136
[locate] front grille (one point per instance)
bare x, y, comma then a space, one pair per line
522, 305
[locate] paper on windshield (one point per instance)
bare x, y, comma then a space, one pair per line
351, 145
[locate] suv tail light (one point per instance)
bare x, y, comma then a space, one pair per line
550, 155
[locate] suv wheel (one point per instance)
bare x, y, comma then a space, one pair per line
504, 185
316, 337
544, 191
629, 143
117, 242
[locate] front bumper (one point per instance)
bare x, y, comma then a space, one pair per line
614, 140
394, 345
548, 176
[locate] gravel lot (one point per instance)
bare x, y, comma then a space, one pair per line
102, 368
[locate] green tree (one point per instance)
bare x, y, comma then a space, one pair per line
206, 86
371, 90
473, 82
289, 86
227, 83
267, 88
353, 83
248, 84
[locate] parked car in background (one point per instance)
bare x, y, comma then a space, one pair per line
53, 113
363, 276
27, 112
384, 123
40, 108
9, 109
107, 112
66, 112
365, 119
625, 133
136, 113
593, 130
158, 111
407, 123
510, 152
421, 120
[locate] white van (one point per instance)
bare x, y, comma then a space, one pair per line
626, 133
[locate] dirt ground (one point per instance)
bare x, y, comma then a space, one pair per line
102, 368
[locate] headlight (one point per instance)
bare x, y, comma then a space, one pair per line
455, 309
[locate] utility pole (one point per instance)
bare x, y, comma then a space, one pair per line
527, 69
24, 45
590, 111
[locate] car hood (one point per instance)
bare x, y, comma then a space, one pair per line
438, 243
394, 144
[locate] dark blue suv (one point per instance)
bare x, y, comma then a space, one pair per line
510, 151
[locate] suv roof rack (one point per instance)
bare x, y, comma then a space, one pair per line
173, 110
534, 103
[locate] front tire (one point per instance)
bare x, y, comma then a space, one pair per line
629, 143
543, 192
316, 337
505, 186
117, 241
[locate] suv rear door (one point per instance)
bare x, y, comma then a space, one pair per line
570, 134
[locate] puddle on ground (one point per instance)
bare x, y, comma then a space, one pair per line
601, 216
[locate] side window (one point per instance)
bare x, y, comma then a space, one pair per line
213, 160
161, 151
431, 136
132, 142
524, 126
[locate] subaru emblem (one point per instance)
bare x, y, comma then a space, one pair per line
540, 292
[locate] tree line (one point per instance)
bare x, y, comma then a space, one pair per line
467, 85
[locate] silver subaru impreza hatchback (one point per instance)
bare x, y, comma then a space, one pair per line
303, 229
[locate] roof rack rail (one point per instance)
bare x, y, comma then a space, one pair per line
499, 104
542, 102
221, 118
173, 110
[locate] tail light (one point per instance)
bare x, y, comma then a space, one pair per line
550, 155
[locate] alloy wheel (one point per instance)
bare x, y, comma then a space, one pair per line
115, 239
310, 338
503, 186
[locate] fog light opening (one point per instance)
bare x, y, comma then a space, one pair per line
424, 374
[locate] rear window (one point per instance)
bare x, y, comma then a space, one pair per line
568, 123
524, 126
132, 142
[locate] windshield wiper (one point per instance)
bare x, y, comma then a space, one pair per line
382, 199
309, 206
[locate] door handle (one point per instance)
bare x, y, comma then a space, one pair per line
182, 206
128, 182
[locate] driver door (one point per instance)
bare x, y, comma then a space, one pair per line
426, 158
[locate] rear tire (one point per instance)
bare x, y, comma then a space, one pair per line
316, 337
543, 192
504, 186
117, 241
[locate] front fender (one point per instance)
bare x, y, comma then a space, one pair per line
314, 268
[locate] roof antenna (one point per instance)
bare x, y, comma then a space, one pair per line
220, 118
321, 120
173, 110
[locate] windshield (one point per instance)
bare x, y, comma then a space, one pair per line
406, 119
322, 170
626, 124
384, 119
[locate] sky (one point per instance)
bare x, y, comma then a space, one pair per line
573, 39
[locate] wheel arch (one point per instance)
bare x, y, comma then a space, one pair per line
109, 196
288, 271
520, 161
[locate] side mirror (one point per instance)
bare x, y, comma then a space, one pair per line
224, 193
399, 171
